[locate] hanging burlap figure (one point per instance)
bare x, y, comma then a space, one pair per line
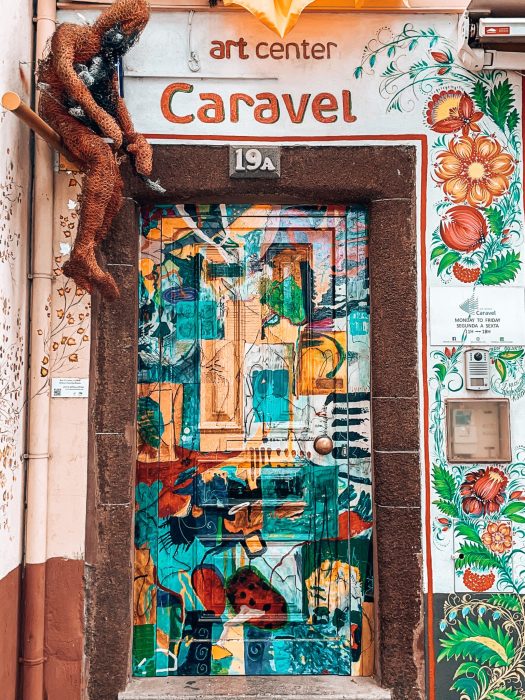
80, 100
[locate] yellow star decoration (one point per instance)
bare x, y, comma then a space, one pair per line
278, 15
282, 15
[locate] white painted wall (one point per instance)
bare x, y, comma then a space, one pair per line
15, 74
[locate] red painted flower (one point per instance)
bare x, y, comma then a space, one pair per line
450, 111
440, 57
449, 352
463, 228
483, 491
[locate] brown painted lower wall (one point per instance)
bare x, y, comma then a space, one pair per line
64, 643
9, 626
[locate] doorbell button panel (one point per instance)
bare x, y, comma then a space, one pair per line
477, 369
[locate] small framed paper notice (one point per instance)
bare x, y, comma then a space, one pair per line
69, 388
479, 315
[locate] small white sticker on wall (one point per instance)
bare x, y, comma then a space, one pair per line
69, 388
480, 315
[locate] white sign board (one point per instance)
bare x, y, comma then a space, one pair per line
250, 83
69, 388
483, 315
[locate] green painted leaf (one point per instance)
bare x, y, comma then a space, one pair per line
358, 72
476, 555
447, 508
391, 51
416, 68
501, 367
511, 354
441, 371
412, 45
495, 220
501, 269
478, 641
513, 120
467, 667
467, 531
448, 260
472, 669
373, 59
506, 601
150, 421
500, 102
438, 250
512, 508
516, 518
479, 95
444, 483
468, 687
505, 694
514, 511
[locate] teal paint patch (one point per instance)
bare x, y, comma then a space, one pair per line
270, 395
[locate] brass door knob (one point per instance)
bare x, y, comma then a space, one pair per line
323, 445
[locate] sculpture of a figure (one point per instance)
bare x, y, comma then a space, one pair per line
80, 99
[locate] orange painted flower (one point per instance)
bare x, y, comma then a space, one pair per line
442, 105
474, 170
498, 537
450, 111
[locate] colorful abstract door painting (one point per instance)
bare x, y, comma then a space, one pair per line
253, 548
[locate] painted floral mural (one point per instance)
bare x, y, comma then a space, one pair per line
474, 127
484, 507
65, 346
475, 157
12, 345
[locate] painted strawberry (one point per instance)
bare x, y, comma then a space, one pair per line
478, 582
464, 273
248, 589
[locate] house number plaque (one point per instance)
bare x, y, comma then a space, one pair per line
255, 161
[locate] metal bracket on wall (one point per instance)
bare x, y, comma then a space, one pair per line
194, 62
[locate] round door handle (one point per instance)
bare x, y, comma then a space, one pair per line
323, 445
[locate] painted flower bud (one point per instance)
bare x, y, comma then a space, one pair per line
463, 228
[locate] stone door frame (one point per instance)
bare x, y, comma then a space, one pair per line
383, 178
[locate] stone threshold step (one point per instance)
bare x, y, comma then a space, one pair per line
244, 688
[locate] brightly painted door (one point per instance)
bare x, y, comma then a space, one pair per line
253, 551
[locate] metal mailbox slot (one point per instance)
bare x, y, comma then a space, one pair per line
478, 430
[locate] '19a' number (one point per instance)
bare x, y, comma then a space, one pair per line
252, 159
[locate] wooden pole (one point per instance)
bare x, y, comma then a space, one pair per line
14, 103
